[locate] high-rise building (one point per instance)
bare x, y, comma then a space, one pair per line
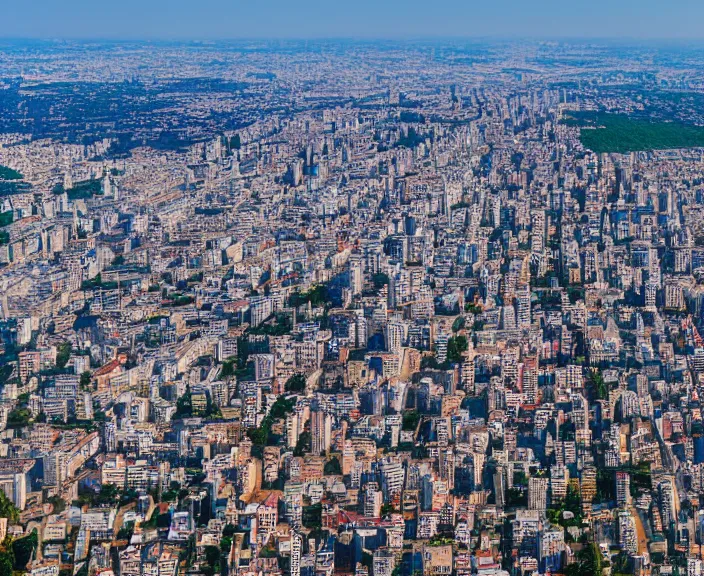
296, 550
392, 475
446, 465
320, 431
523, 304
559, 478
551, 548
537, 493
383, 562
373, 499
587, 485
623, 489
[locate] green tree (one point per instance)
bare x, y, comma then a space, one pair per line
228, 368
588, 562
296, 383
595, 381
282, 407
126, 531
212, 557
455, 347
225, 544
23, 548
6, 564
410, 419
258, 436
303, 444
85, 381
8, 509
332, 467
63, 353
58, 504
184, 405
313, 516
7, 557
18, 418
7, 173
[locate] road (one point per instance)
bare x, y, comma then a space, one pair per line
119, 517
642, 540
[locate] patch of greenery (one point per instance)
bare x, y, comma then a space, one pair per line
317, 296
516, 498
602, 132
125, 533
7, 557
280, 325
7, 173
303, 445
18, 418
268, 552
407, 116
439, 540
313, 516
179, 299
81, 190
58, 503
85, 381
63, 353
455, 347
12, 187
332, 467
588, 562
431, 362
212, 559
410, 419
262, 436
296, 383
23, 548
572, 503
108, 495
8, 509
97, 282
229, 368
5, 373
184, 407
595, 382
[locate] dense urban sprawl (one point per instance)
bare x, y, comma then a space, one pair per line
351, 308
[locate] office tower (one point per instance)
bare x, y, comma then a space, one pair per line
373, 499
537, 493
321, 432
559, 478
623, 489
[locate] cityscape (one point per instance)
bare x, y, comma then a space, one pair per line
351, 308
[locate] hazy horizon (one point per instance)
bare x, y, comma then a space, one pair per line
219, 20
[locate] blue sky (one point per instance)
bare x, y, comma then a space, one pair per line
215, 19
